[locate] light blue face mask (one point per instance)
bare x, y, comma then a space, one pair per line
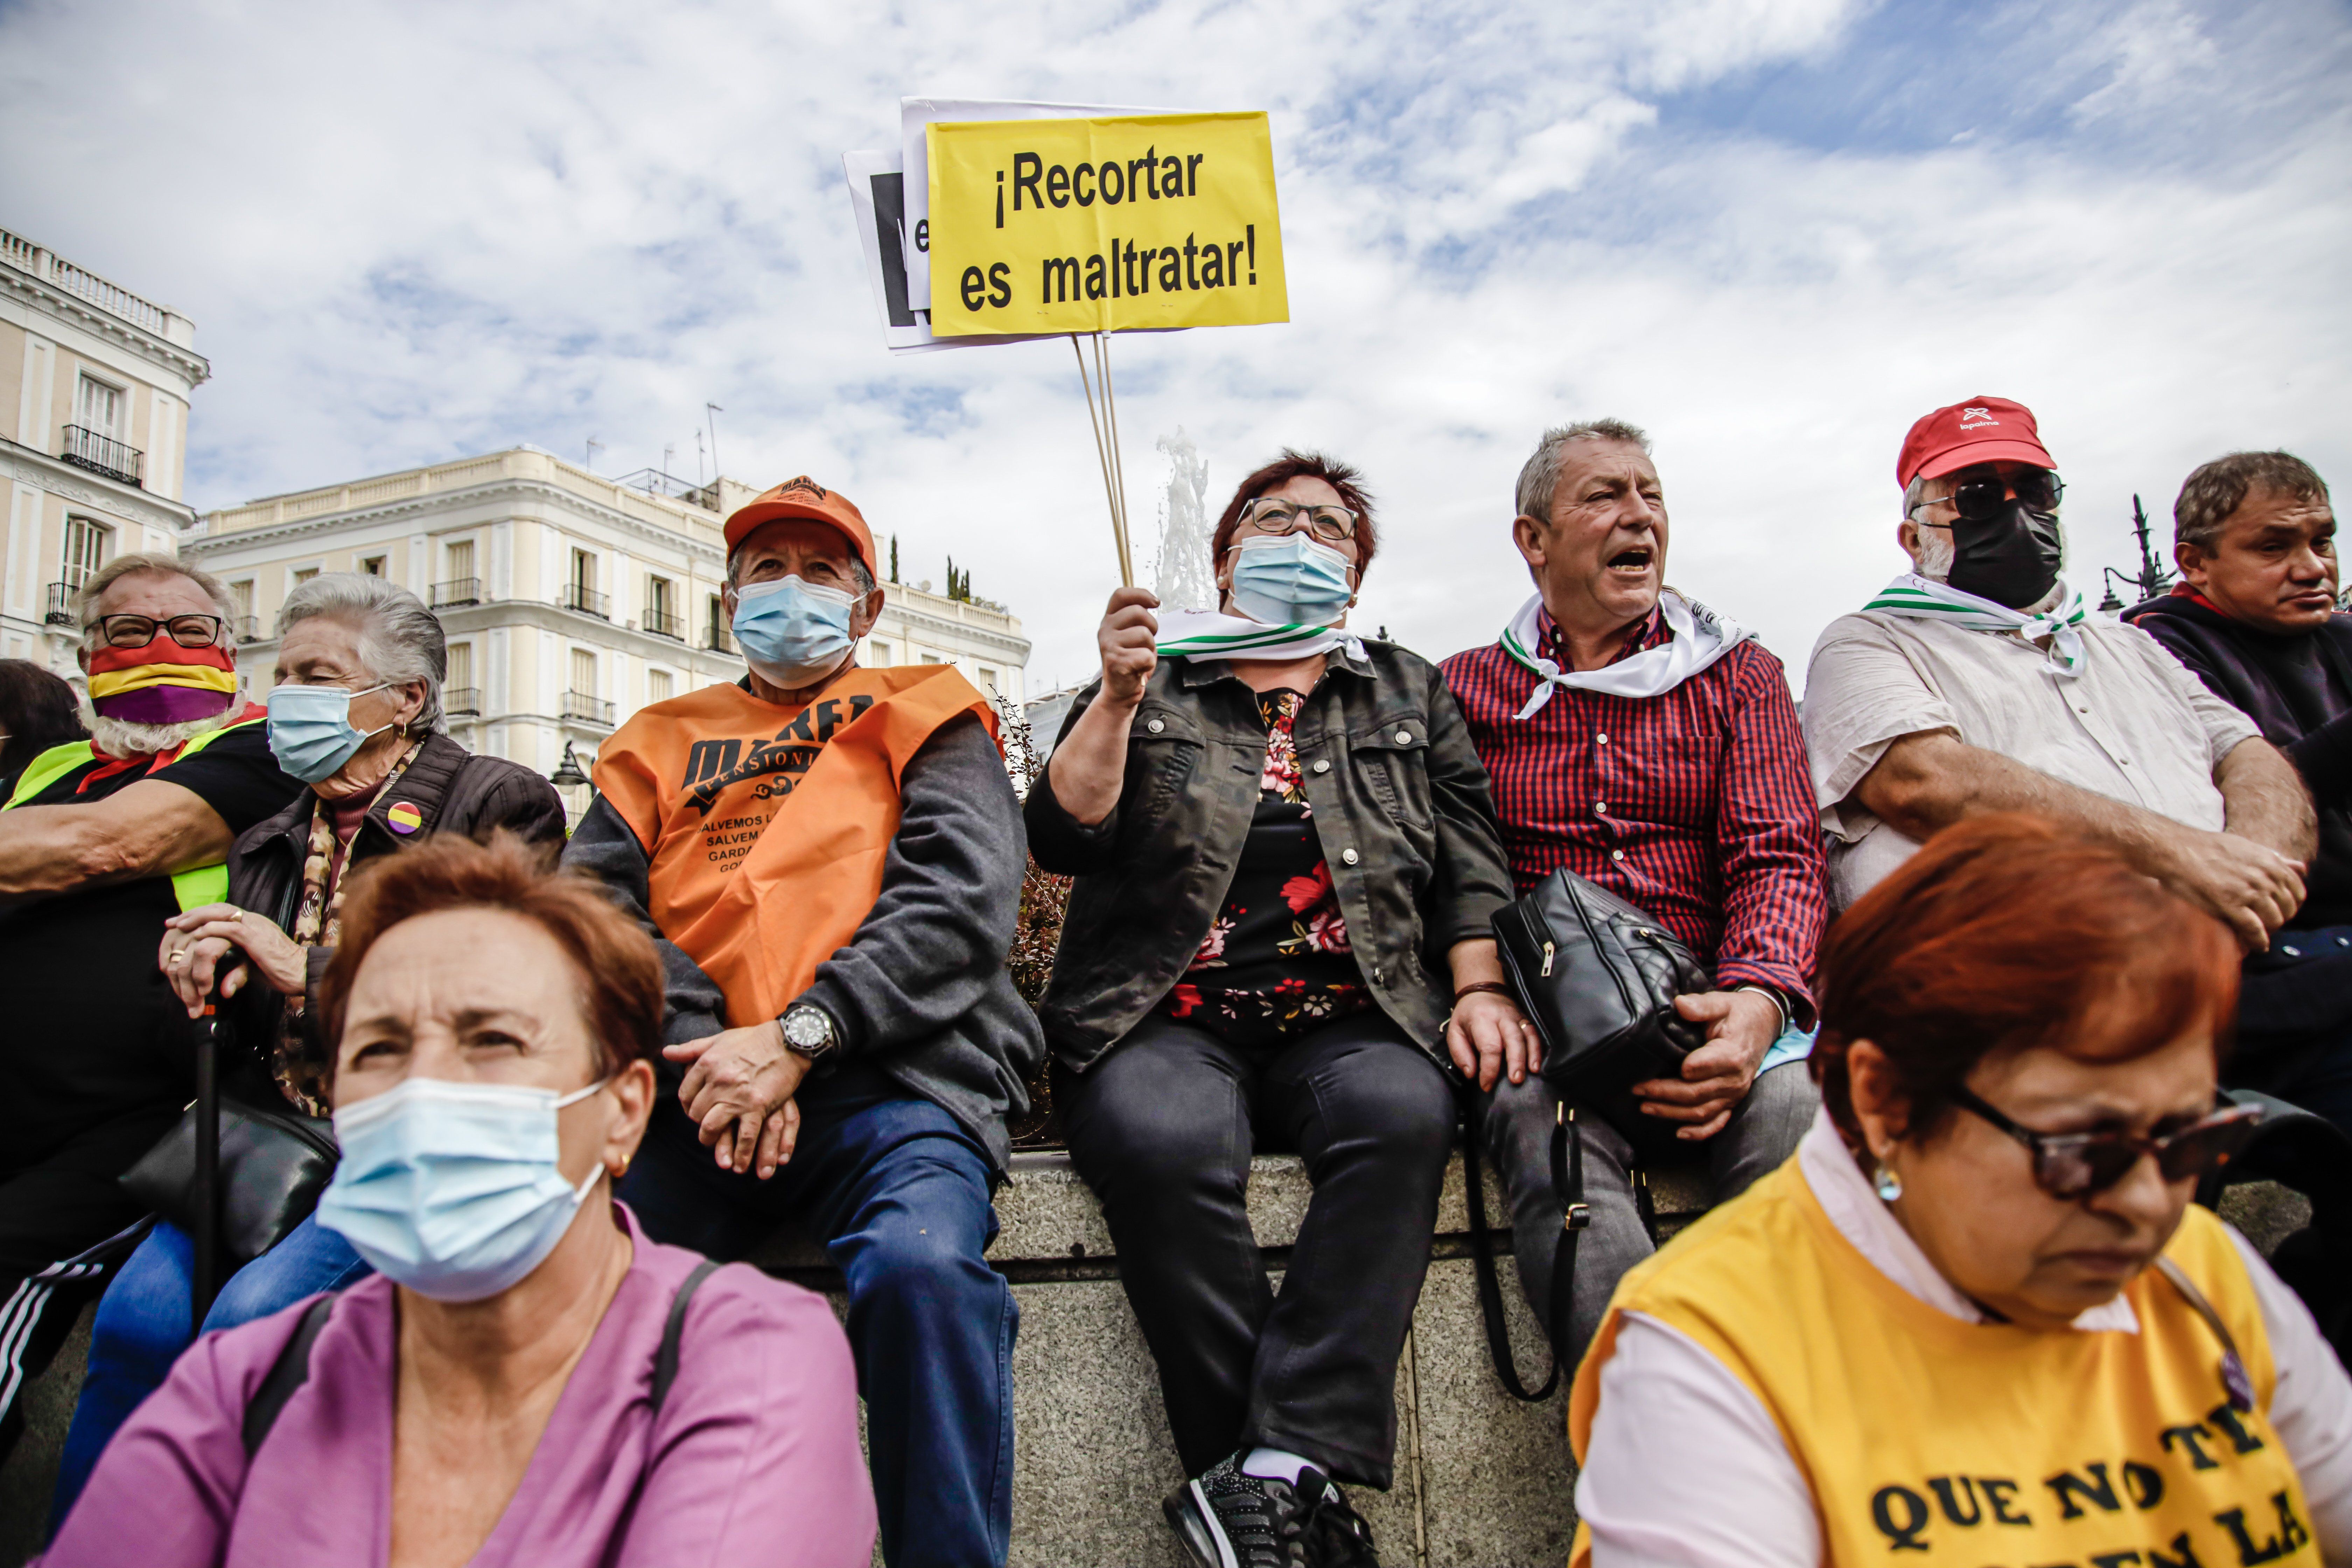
1290, 581
310, 731
794, 633
451, 1189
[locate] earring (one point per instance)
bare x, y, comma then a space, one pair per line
622, 1169
1889, 1185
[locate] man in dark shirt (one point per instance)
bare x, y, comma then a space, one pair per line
2255, 618
1649, 745
101, 842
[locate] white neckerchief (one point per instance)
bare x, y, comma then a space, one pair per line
1213, 634
1924, 599
1700, 637
1846, 1196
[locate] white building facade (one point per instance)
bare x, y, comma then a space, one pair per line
571, 600
94, 387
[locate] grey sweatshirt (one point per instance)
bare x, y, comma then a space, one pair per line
921, 990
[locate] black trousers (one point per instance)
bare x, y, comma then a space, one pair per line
1162, 1128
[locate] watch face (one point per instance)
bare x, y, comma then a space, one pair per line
806, 1028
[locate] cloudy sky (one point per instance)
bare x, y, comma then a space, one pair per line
1771, 231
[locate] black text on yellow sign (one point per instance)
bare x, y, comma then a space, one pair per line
1104, 225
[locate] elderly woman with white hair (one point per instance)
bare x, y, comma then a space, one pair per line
356, 714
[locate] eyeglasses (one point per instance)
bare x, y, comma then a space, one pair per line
138, 631
1979, 495
1271, 514
2070, 1165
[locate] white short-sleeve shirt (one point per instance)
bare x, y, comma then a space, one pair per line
2134, 725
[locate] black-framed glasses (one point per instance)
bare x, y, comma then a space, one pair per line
2077, 1164
1272, 514
1979, 494
138, 631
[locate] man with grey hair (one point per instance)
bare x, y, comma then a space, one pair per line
1649, 745
101, 841
1978, 683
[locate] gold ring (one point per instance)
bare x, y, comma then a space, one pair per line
180, 957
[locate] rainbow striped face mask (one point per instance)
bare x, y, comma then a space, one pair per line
161, 682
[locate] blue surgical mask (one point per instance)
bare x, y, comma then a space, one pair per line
310, 731
1290, 581
794, 633
451, 1189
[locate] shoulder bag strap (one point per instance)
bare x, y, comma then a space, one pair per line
287, 1374
1568, 1180
666, 1359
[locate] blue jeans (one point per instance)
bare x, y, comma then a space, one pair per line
141, 1326
900, 1193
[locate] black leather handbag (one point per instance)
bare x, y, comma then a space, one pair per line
1597, 978
274, 1163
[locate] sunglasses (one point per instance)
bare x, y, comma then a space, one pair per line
1269, 515
138, 631
2070, 1165
1979, 495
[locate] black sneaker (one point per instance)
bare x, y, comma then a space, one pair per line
1230, 1519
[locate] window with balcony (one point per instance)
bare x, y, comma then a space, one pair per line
458, 692
580, 591
94, 440
661, 609
716, 635
249, 625
87, 547
458, 586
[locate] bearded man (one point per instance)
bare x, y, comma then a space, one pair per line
1978, 683
101, 842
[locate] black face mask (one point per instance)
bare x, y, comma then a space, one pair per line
2010, 558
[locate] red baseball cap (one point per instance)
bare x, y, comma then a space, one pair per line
804, 497
1980, 430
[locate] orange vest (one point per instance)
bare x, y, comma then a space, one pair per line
766, 829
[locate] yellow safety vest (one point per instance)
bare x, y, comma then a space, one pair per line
1926, 1440
196, 886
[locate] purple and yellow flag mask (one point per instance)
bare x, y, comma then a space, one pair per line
161, 683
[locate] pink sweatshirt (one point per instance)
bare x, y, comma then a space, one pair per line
752, 1460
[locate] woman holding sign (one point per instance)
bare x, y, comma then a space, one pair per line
1274, 824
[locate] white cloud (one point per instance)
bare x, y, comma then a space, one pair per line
410, 233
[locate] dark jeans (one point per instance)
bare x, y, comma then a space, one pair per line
2294, 1039
1162, 1128
900, 1193
1763, 1131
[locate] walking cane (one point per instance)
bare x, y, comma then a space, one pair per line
207, 1192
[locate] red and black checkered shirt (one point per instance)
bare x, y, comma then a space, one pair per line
1695, 805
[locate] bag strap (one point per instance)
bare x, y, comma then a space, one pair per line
286, 1374
665, 1358
291, 1370
1568, 1181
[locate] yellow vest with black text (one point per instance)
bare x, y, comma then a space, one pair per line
196, 886
1926, 1440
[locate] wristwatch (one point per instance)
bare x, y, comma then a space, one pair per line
808, 1031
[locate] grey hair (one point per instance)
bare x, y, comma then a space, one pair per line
399, 639
1915, 495
1540, 477
95, 585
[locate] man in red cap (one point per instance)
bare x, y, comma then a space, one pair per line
830, 858
1979, 681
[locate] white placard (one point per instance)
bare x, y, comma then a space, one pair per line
874, 194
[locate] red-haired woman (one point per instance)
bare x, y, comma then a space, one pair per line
1975, 1319
1287, 864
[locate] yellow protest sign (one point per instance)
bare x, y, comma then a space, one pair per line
1104, 224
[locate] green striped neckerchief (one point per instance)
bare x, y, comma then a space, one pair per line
1211, 634
1924, 599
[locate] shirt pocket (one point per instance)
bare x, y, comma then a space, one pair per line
1163, 747
1391, 758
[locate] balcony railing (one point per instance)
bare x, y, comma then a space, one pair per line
663, 624
587, 601
717, 639
461, 699
61, 605
248, 628
104, 454
457, 591
579, 705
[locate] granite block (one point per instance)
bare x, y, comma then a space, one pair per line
30, 1473
2265, 1212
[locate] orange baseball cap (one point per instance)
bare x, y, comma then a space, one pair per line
804, 497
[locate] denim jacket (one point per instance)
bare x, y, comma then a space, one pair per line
1400, 800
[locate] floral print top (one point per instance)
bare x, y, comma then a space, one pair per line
1277, 961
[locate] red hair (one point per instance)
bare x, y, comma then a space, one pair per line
1296, 465
2004, 934
620, 975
